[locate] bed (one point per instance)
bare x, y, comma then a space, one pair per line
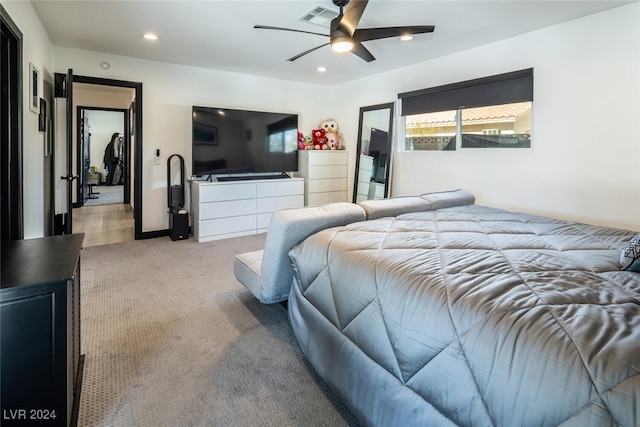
472, 315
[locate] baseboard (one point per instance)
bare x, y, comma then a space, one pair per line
152, 234
157, 233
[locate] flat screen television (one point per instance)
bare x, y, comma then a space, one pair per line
244, 144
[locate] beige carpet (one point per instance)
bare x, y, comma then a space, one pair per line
170, 338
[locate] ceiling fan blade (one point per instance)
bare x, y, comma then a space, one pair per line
366, 34
293, 58
268, 27
362, 52
352, 15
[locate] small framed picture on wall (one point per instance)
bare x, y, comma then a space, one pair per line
34, 88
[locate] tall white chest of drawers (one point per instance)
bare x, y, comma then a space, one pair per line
221, 210
325, 176
365, 170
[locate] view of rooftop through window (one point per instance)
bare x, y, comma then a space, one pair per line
506, 125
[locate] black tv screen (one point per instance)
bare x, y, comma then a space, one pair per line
227, 141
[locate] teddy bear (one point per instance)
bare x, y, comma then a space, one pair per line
334, 138
319, 139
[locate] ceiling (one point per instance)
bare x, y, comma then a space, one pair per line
219, 34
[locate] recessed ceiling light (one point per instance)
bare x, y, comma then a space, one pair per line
105, 65
322, 69
150, 36
406, 37
221, 113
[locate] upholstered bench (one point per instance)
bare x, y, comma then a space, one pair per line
394, 206
267, 273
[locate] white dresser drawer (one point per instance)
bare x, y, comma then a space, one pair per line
327, 171
366, 162
263, 220
376, 190
273, 204
280, 188
363, 189
316, 199
225, 209
327, 157
325, 185
229, 225
227, 191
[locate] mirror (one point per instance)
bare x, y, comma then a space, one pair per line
373, 163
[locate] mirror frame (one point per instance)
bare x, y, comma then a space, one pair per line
363, 110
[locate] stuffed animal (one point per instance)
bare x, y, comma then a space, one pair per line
319, 139
329, 125
308, 142
301, 145
334, 138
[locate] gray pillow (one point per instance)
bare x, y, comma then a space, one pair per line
630, 256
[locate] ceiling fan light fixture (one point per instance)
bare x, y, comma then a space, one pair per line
342, 44
344, 34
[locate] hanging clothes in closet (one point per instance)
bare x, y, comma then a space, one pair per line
113, 160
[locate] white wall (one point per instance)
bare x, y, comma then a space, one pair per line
36, 48
169, 92
586, 144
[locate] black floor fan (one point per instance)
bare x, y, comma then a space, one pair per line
178, 217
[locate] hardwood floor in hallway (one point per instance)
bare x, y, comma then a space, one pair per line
104, 224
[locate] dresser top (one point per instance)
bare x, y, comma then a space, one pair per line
38, 261
248, 181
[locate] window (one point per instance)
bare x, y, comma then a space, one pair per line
506, 125
488, 112
431, 131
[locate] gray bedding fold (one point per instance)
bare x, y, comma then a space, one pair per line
472, 316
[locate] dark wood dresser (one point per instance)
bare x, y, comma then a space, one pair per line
40, 361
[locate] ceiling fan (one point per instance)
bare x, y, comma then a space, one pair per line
344, 35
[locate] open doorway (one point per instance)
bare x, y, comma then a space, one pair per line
102, 205
104, 156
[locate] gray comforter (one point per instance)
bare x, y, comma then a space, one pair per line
472, 316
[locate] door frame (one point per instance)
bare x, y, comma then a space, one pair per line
137, 152
12, 211
80, 151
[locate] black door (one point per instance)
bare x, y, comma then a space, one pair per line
63, 153
85, 157
11, 212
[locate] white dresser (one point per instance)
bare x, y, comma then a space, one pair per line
237, 208
376, 190
365, 171
325, 176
